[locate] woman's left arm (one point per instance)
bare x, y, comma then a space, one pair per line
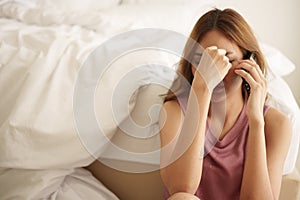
268, 140
266, 152
278, 135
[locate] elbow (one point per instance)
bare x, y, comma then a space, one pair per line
183, 188
176, 183
253, 196
256, 198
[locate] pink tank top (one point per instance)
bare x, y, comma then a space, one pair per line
223, 166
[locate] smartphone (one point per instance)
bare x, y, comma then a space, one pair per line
246, 85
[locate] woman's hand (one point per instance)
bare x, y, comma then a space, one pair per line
213, 67
251, 72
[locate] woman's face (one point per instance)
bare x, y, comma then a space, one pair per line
232, 81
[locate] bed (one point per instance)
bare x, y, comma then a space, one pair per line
48, 144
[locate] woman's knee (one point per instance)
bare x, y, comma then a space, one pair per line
183, 196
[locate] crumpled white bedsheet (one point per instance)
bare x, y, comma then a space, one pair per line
56, 184
37, 76
39, 145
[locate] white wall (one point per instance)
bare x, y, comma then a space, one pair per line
275, 22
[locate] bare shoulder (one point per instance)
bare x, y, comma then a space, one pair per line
170, 120
172, 105
170, 111
277, 124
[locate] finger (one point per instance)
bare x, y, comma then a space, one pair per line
218, 56
251, 70
226, 62
229, 65
212, 48
215, 49
222, 52
253, 63
247, 76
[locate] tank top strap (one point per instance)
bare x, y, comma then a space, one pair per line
183, 103
266, 108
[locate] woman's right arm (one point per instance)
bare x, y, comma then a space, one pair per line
181, 161
182, 138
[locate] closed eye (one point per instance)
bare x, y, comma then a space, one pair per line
196, 60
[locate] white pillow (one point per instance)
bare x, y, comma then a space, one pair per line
110, 21
160, 2
79, 5
87, 13
71, 5
176, 17
281, 98
278, 62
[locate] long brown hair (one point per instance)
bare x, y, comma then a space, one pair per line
234, 27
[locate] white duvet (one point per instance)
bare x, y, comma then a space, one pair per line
40, 151
39, 146
41, 51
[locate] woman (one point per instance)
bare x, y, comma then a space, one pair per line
225, 101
